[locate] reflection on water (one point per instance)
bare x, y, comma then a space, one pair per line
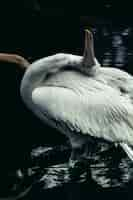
108, 167
118, 53
115, 46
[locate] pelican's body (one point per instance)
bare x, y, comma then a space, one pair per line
81, 100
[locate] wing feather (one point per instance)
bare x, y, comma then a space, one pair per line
99, 113
102, 115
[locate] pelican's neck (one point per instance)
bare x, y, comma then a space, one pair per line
37, 72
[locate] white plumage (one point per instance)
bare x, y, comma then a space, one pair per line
80, 98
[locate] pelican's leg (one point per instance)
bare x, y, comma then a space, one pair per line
81, 150
81, 155
79, 163
75, 156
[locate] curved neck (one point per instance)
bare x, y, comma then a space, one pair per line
14, 58
36, 74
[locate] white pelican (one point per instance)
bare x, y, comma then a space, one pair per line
77, 96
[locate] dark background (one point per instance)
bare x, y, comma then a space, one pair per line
35, 29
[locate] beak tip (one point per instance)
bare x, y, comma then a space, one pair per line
88, 34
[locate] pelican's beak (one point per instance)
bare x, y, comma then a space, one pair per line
14, 58
89, 55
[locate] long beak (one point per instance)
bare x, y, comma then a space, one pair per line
14, 58
89, 55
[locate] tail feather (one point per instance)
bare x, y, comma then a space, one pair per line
128, 150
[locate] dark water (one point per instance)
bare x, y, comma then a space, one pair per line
108, 168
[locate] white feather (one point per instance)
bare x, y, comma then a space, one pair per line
95, 108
